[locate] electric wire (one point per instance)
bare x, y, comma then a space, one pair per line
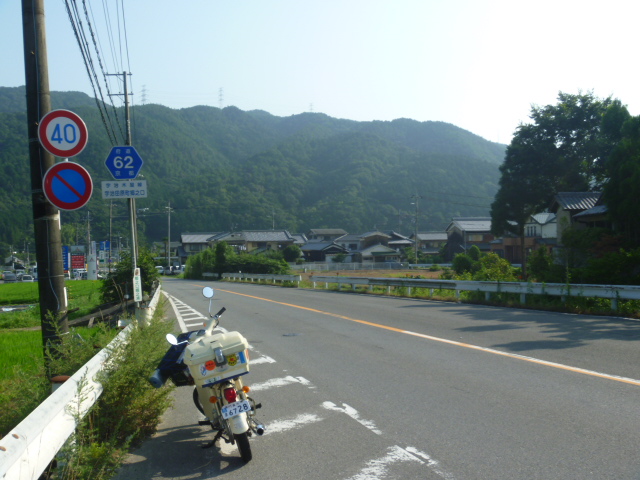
104, 74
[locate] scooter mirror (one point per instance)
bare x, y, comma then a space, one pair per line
171, 338
207, 292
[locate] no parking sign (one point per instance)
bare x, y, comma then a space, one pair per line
68, 185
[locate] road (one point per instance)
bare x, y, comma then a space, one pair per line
367, 387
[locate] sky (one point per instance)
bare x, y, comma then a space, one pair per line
477, 64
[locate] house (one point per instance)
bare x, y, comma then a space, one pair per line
350, 241
464, 232
322, 251
377, 254
568, 205
255, 241
325, 234
398, 242
192, 243
431, 243
540, 231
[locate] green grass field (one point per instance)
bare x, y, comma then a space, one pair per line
20, 345
20, 349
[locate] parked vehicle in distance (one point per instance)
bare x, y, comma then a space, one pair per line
160, 269
27, 278
168, 270
10, 277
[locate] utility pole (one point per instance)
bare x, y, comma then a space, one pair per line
169, 235
130, 201
416, 199
46, 217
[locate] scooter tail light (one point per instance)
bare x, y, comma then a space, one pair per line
230, 394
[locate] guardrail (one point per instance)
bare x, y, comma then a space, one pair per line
28, 449
610, 292
252, 277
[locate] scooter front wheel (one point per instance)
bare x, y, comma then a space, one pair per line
242, 440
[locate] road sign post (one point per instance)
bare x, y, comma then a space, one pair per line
62, 133
67, 185
124, 163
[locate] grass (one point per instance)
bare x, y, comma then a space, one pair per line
20, 350
83, 296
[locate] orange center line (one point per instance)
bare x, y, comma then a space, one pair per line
516, 356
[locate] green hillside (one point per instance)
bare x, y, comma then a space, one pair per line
225, 169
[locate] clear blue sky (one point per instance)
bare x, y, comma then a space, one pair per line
478, 64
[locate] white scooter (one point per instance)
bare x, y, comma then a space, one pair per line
215, 362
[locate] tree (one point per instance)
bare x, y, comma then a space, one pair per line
620, 191
120, 281
564, 149
292, 253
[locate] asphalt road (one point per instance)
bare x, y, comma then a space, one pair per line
367, 387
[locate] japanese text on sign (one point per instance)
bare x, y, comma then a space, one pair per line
124, 189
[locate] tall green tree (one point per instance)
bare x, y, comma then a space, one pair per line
621, 189
563, 149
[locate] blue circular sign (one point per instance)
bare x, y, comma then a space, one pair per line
68, 185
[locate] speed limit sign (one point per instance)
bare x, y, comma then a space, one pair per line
62, 133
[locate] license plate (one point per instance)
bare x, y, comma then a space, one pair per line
235, 408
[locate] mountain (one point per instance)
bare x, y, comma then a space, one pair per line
224, 169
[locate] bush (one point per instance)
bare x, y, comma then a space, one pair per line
129, 408
120, 281
462, 263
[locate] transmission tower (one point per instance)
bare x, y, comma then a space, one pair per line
143, 95
220, 97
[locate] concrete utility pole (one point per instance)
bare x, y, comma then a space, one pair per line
169, 235
130, 201
46, 217
416, 199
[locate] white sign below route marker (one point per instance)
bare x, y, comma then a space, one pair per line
114, 189
137, 286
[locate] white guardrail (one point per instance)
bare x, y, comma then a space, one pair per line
611, 292
252, 277
27, 450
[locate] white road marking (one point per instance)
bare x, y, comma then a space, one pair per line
182, 310
378, 467
279, 382
353, 413
261, 359
431, 463
283, 425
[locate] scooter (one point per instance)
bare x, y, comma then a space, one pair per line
215, 362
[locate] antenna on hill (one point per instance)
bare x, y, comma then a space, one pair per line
220, 97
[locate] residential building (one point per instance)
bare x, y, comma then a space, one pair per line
431, 243
256, 241
325, 234
567, 206
464, 232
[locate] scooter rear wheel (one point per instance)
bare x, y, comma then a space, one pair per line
196, 400
242, 440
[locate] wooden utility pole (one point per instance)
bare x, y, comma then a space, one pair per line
46, 217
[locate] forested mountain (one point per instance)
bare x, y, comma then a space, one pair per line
224, 169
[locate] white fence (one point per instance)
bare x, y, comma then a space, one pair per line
27, 450
253, 277
611, 292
